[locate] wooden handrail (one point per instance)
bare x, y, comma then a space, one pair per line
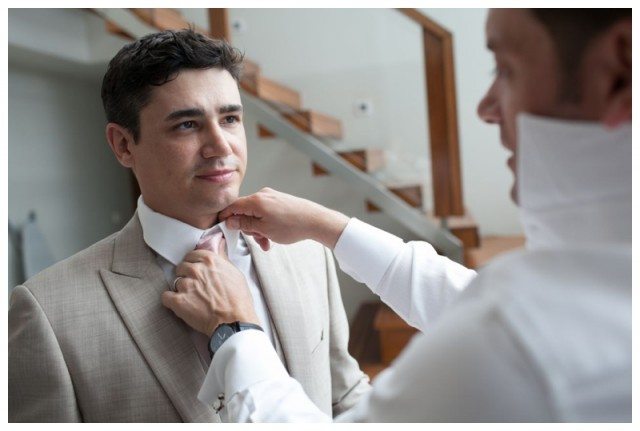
443, 115
425, 22
219, 23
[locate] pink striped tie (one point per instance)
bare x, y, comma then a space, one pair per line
209, 241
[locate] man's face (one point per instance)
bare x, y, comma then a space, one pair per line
527, 78
191, 154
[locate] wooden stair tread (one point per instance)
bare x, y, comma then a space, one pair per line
464, 227
161, 18
367, 160
492, 246
386, 319
364, 344
411, 194
309, 121
271, 91
372, 370
394, 333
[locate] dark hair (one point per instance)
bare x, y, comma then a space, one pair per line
155, 60
571, 31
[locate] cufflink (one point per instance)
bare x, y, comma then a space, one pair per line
219, 403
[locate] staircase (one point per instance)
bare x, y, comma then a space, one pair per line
280, 112
377, 334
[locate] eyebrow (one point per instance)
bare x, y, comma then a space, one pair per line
197, 112
181, 113
229, 108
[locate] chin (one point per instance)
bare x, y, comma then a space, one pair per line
222, 200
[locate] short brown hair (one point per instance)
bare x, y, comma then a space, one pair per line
571, 31
155, 60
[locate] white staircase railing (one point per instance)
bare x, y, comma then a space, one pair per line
370, 188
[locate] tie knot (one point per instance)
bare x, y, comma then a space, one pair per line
210, 241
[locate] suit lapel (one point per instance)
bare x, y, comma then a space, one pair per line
283, 294
135, 284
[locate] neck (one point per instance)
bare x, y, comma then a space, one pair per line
202, 221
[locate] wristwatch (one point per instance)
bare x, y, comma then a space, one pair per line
226, 330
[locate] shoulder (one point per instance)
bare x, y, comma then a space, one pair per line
82, 267
569, 309
558, 271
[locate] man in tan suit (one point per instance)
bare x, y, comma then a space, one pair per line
89, 339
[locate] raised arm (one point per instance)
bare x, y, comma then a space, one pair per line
410, 277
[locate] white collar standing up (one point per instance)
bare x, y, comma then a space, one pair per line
574, 182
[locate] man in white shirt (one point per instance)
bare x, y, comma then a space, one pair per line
89, 339
538, 335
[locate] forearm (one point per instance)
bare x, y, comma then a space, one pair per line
326, 226
411, 278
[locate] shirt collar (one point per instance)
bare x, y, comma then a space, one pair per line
173, 239
574, 182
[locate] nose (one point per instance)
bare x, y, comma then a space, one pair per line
216, 142
489, 108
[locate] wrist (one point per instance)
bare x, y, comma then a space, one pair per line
328, 226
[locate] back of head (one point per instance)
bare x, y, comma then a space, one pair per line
154, 60
572, 30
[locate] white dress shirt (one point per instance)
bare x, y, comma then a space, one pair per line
172, 239
538, 335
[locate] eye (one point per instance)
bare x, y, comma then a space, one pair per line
231, 119
186, 125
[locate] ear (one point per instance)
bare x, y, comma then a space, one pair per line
618, 108
121, 140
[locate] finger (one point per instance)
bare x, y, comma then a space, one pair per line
265, 244
247, 205
186, 269
250, 224
196, 256
222, 249
170, 300
179, 284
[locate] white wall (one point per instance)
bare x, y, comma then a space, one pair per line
59, 163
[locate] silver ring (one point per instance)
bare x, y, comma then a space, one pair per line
175, 284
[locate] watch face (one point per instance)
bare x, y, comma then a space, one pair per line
220, 336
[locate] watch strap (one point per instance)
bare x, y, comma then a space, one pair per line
236, 327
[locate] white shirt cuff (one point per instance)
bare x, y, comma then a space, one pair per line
365, 252
234, 367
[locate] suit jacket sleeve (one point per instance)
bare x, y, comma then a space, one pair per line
40, 386
348, 382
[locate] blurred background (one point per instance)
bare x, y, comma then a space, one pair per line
354, 79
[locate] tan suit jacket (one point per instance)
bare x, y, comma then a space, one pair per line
89, 339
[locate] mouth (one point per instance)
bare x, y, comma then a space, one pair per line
217, 176
511, 162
